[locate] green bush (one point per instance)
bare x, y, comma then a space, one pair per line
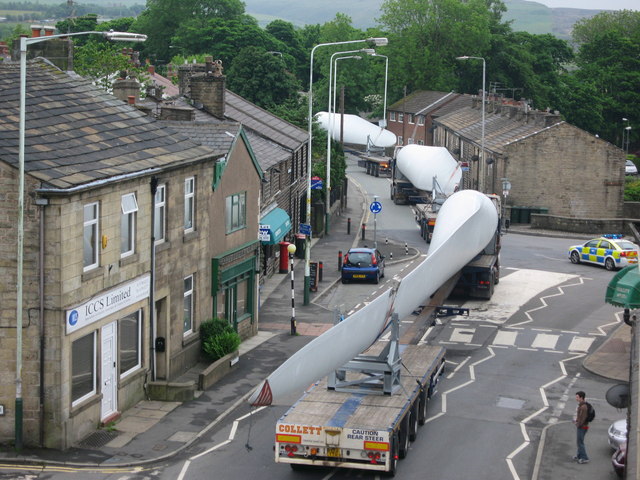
632, 192
218, 338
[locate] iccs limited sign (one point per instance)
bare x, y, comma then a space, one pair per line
107, 303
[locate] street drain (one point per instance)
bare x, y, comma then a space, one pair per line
98, 439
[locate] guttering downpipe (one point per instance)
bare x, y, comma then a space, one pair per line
42, 323
152, 279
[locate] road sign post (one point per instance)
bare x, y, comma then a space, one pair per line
375, 208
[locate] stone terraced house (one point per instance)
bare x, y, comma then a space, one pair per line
134, 235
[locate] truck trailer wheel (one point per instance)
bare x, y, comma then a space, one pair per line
403, 437
413, 420
393, 461
423, 402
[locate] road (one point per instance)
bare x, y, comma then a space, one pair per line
514, 364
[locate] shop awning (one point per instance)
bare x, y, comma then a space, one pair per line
277, 223
624, 288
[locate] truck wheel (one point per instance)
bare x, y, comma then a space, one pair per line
403, 437
413, 420
422, 409
393, 461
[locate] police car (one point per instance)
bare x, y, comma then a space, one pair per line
611, 251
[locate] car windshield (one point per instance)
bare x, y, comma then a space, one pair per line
360, 259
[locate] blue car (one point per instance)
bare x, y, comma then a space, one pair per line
363, 264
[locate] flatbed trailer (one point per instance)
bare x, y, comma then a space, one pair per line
332, 428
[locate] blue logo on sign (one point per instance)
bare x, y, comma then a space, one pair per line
73, 318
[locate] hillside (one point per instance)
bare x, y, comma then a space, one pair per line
527, 16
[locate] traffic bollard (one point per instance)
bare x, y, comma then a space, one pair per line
339, 260
349, 226
364, 228
320, 268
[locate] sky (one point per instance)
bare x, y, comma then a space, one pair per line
593, 4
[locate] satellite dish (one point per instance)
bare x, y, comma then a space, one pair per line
618, 396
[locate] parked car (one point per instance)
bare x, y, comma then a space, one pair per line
363, 264
617, 433
619, 460
630, 168
611, 251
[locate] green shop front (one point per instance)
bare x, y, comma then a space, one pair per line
233, 287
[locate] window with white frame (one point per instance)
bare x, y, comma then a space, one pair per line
392, 116
410, 118
187, 318
410, 140
129, 207
90, 236
420, 119
235, 212
83, 368
189, 204
420, 142
160, 214
401, 117
130, 332
400, 140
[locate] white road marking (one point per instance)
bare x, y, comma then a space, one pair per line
462, 335
546, 341
581, 344
505, 338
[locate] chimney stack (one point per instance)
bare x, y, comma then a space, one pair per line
208, 88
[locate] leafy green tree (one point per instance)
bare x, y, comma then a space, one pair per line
427, 35
225, 37
261, 77
624, 22
162, 19
609, 60
531, 63
101, 62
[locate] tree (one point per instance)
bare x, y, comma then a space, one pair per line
101, 61
427, 35
162, 18
261, 77
225, 37
624, 22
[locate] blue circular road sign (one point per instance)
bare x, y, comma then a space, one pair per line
375, 207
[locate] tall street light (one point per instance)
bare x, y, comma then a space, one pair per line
383, 122
377, 41
331, 112
484, 74
24, 43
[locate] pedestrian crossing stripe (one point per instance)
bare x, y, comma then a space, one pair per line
517, 338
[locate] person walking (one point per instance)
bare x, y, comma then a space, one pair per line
582, 427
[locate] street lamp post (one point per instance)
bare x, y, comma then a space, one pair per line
24, 43
383, 122
626, 147
291, 248
484, 76
331, 112
378, 41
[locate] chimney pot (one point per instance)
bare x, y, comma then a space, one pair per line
131, 99
36, 30
48, 31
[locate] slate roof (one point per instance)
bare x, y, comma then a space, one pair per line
272, 139
76, 133
500, 129
440, 102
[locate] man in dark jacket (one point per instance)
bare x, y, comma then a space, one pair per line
582, 426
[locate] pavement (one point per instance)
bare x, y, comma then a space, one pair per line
153, 430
